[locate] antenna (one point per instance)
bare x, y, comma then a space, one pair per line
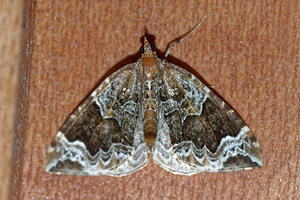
177, 41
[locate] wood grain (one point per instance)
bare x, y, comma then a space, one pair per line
10, 49
247, 50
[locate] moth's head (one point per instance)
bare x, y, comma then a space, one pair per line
148, 54
147, 49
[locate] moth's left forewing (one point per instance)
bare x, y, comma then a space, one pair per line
104, 135
197, 131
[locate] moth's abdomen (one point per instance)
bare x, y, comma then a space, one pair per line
150, 117
150, 126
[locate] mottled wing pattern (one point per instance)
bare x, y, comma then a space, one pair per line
104, 135
197, 131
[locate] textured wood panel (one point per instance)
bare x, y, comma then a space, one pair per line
10, 44
248, 50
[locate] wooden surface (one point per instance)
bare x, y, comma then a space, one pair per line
247, 50
10, 48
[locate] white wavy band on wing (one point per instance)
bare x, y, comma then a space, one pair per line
177, 158
130, 159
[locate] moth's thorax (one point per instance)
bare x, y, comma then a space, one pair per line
149, 59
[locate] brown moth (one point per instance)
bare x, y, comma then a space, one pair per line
153, 107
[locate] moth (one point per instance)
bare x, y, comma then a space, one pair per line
152, 107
